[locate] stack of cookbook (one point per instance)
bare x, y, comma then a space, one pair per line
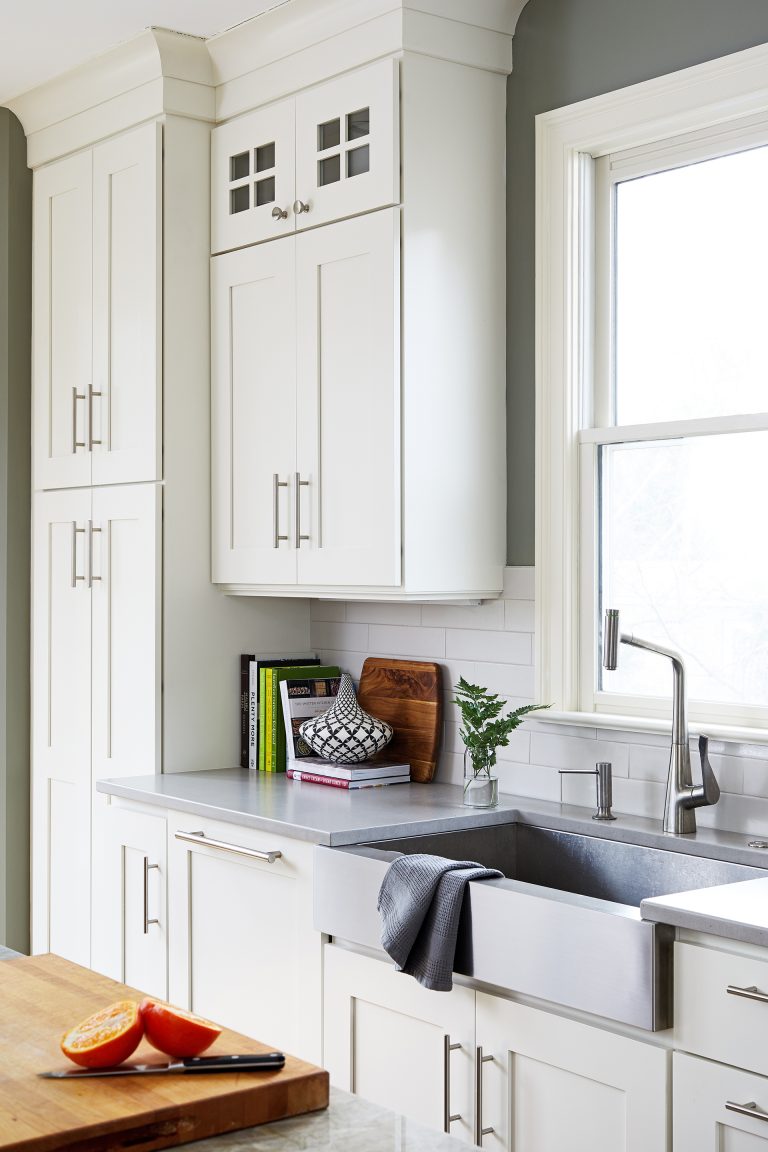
368, 774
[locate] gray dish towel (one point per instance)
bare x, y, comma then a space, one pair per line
420, 903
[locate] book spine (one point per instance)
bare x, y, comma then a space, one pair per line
262, 698
245, 687
253, 758
311, 778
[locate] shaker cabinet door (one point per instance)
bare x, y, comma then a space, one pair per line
62, 318
254, 414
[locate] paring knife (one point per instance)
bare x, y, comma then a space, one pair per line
261, 1062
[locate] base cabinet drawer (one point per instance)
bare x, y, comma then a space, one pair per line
717, 1109
721, 1006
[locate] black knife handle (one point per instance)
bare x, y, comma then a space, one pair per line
260, 1061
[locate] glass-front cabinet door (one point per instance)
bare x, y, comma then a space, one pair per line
252, 177
347, 145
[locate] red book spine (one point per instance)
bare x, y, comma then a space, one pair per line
312, 778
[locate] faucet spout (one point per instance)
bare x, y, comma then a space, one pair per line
682, 796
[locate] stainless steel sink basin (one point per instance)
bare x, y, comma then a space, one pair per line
563, 924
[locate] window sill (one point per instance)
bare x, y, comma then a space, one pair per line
609, 721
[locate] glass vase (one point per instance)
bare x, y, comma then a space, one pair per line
481, 785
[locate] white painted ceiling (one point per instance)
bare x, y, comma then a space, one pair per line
40, 39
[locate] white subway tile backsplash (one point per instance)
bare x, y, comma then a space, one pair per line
489, 614
340, 636
385, 613
577, 755
498, 647
519, 583
491, 644
518, 615
417, 643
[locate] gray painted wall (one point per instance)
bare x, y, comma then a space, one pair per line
15, 336
564, 51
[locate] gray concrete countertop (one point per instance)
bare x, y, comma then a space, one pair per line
349, 1123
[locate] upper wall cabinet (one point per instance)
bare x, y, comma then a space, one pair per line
330, 152
96, 311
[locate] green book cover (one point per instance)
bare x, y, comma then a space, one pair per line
300, 672
268, 680
262, 719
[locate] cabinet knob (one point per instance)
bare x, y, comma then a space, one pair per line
300, 206
279, 213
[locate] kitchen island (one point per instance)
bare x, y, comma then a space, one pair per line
350, 1123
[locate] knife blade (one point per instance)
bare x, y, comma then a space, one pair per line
259, 1062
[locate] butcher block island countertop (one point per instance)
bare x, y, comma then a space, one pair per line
42, 997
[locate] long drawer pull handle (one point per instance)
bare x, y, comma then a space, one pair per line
748, 1109
299, 483
91, 393
235, 849
448, 1116
76, 578
750, 993
479, 1130
147, 920
277, 484
75, 397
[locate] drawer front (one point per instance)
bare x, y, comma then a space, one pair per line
717, 1107
721, 1006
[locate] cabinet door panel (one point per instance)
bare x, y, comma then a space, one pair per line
254, 414
610, 1091
124, 410
385, 1039
348, 388
347, 145
61, 713
129, 907
62, 322
701, 1121
252, 174
125, 575
242, 950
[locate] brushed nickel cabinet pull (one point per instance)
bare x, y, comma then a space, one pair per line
91, 394
279, 213
448, 1116
91, 578
147, 920
751, 993
75, 533
235, 849
748, 1109
299, 485
277, 484
75, 397
479, 1130
300, 206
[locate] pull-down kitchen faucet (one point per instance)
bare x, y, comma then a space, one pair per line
682, 795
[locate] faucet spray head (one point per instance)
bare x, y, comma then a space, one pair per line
611, 639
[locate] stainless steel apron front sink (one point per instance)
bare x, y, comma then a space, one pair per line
564, 924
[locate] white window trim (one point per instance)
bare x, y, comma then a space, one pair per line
568, 140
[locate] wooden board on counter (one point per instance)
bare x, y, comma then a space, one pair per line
408, 695
42, 997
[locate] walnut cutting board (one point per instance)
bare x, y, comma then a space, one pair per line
43, 996
408, 695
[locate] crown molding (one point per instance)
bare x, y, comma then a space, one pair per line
155, 73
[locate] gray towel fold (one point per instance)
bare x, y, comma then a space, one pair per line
420, 903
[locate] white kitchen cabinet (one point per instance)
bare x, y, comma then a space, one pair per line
130, 937
330, 152
307, 397
95, 684
242, 949
398, 1044
717, 1108
96, 309
398, 326
523, 1078
546, 1082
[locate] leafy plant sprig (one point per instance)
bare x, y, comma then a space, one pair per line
484, 729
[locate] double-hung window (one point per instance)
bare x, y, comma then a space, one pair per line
652, 396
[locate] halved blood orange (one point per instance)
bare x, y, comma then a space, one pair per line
174, 1030
107, 1037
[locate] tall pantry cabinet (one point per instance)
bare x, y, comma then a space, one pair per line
135, 654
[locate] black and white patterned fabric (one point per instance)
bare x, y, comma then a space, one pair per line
345, 734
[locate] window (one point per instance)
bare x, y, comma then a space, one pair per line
652, 395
